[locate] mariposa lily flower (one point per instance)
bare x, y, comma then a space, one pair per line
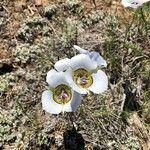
63, 64
83, 76
95, 56
60, 97
133, 3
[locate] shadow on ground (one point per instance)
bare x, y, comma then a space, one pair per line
73, 140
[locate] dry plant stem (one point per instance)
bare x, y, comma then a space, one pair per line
94, 2
138, 126
122, 104
146, 24
129, 26
71, 118
51, 26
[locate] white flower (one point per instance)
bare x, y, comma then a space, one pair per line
82, 77
133, 3
60, 97
95, 56
62, 64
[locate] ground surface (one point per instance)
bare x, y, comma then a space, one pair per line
34, 34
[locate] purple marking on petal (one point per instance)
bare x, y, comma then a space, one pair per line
93, 55
135, 3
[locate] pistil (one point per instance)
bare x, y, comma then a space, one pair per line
62, 94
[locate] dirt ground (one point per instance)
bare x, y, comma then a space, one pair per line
34, 34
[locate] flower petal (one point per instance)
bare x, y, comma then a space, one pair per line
81, 50
73, 85
50, 74
55, 78
100, 82
49, 105
82, 61
125, 3
74, 103
133, 3
62, 64
95, 56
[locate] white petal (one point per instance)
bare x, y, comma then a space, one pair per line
101, 62
49, 105
81, 50
50, 74
74, 103
62, 64
133, 3
82, 61
144, 1
95, 56
100, 82
127, 3
55, 78
73, 85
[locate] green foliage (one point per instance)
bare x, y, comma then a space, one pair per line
93, 17
69, 32
73, 6
6, 81
9, 122
50, 11
25, 53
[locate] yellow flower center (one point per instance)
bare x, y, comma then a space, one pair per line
62, 94
82, 78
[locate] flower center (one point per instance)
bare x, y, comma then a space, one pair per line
82, 78
62, 94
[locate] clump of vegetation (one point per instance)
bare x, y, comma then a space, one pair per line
3, 16
128, 144
73, 5
145, 74
36, 139
30, 29
93, 17
50, 10
6, 81
69, 32
9, 122
25, 53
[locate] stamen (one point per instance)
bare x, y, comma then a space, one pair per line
82, 78
63, 95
